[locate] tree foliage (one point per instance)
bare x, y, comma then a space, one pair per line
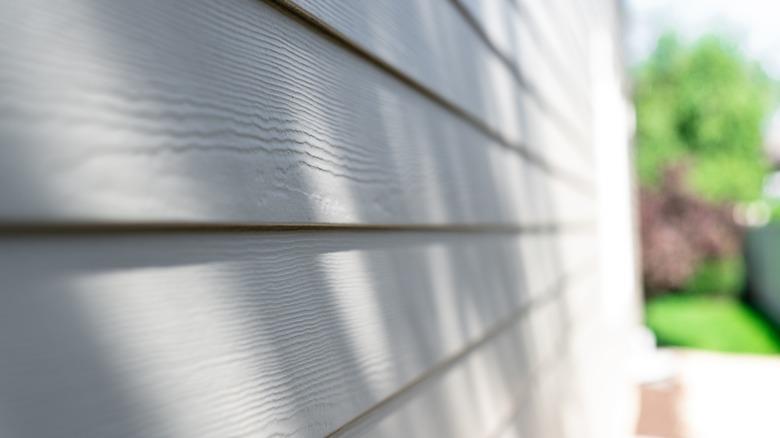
687, 243
705, 104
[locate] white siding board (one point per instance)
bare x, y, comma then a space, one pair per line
469, 400
433, 43
498, 21
198, 111
480, 394
561, 90
421, 242
241, 334
565, 389
572, 16
553, 35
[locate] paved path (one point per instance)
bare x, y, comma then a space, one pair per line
714, 395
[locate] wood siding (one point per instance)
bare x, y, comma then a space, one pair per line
299, 218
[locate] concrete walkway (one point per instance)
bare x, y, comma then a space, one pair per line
714, 395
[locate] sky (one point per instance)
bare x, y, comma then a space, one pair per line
753, 24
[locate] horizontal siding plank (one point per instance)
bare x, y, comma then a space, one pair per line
575, 23
554, 402
550, 27
469, 400
550, 66
549, 408
247, 334
499, 23
196, 111
478, 395
432, 43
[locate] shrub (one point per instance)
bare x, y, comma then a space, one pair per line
680, 231
722, 277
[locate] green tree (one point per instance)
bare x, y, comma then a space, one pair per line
704, 103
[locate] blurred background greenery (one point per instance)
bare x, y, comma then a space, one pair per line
702, 111
704, 103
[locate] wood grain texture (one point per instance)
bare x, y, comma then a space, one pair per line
550, 407
469, 400
481, 393
198, 111
433, 43
561, 397
549, 25
573, 19
296, 217
534, 41
275, 334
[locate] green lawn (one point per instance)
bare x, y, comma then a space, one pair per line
710, 323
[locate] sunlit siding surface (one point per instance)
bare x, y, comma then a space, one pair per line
244, 218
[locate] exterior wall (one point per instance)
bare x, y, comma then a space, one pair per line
301, 218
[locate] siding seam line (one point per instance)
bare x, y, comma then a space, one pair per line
532, 25
94, 228
518, 75
522, 396
576, 181
376, 412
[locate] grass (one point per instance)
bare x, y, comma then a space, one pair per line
726, 276
710, 323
